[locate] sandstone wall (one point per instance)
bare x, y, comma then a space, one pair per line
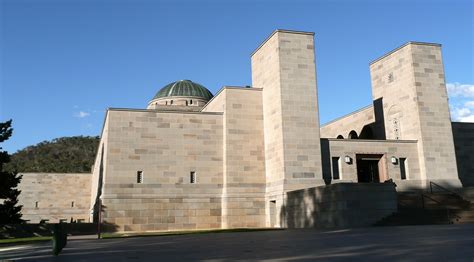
339, 205
243, 198
344, 125
166, 147
284, 67
411, 82
55, 196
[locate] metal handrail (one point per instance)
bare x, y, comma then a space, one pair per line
443, 188
448, 213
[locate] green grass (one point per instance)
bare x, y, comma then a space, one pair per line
189, 232
23, 240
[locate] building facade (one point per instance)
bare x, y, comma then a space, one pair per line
192, 160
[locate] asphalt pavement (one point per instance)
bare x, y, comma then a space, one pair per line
408, 243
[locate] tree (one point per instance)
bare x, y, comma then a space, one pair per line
9, 208
61, 155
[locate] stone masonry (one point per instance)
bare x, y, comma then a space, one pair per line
251, 157
55, 197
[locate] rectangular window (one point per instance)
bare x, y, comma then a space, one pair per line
192, 178
72, 204
403, 172
139, 177
335, 168
36, 204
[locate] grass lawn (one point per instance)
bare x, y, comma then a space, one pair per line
23, 240
189, 232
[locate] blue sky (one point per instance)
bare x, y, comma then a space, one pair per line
64, 62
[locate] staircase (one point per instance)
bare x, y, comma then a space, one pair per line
437, 206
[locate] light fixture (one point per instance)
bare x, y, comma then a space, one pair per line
348, 159
394, 160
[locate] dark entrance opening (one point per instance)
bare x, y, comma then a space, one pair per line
370, 168
273, 213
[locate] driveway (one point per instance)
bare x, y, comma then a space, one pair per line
409, 243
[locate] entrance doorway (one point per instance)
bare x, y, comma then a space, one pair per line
273, 213
370, 168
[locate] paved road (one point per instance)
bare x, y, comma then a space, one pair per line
411, 243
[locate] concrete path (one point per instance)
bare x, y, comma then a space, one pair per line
410, 243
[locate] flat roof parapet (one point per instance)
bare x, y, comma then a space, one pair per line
402, 46
282, 31
164, 111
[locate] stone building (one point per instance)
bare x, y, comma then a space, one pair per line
192, 160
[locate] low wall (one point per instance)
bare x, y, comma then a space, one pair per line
339, 205
43, 229
55, 196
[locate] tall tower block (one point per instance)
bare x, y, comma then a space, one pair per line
284, 66
410, 81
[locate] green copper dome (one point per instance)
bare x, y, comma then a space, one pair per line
184, 88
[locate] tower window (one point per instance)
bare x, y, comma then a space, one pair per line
186, 102
193, 177
336, 168
36, 204
171, 102
72, 204
191, 102
139, 177
403, 172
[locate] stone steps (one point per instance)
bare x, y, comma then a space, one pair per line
437, 208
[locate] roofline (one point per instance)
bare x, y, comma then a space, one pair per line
347, 115
458, 122
370, 140
231, 87
167, 111
281, 31
402, 46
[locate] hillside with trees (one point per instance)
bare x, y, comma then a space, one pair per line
61, 155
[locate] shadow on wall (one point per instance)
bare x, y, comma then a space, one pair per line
43, 229
340, 205
463, 136
97, 203
326, 161
379, 126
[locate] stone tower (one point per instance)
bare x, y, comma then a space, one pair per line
284, 66
411, 84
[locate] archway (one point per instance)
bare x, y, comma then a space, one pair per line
366, 133
352, 135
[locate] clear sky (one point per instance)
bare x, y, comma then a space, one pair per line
64, 62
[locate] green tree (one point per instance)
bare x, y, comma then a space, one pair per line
61, 155
10, 211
